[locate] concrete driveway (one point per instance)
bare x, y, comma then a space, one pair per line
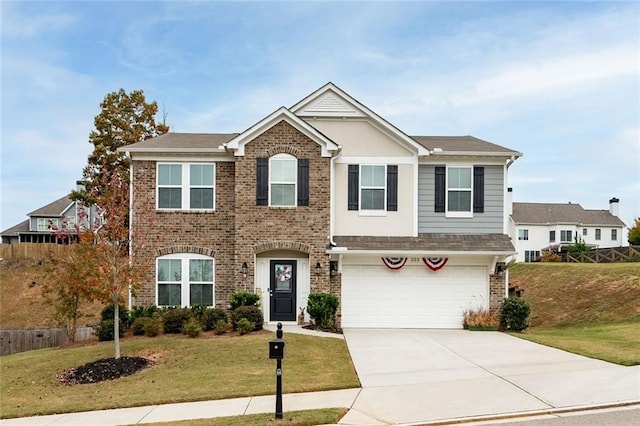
419, 376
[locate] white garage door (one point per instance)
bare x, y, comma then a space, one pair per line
412, 297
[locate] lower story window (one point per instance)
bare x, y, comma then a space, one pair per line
531, 255
185, 279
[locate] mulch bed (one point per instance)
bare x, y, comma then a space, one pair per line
103, 369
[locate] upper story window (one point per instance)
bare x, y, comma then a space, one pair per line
282, 180
598, 234
565, 236
552, 236
584, 232
372, 188
614, 234
186, 186
523, 234
46, 224
459, 190
184, 280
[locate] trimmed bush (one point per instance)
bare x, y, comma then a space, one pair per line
139, 325
142, 312
322, 308
192, 327
243, 299
174, 318
211, 317
245, 326
221, 327
514, 315
253, 314
104, 331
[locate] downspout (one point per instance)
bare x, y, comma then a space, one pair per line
128, 154
332, 194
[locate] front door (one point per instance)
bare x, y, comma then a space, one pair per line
282, 290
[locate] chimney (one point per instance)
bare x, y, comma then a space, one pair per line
614, 206
509, 201
79, 185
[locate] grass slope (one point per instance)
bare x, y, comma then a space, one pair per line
186, 370
574, 294
21, 301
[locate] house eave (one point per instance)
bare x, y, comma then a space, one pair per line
420, 253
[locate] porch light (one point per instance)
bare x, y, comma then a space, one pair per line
244, 269
318, 268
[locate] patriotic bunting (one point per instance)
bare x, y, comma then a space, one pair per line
435, 263
394, 263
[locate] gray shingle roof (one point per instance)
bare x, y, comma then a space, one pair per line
570, 213
433, 243
17, 229
188, 141
54, 209
463, 144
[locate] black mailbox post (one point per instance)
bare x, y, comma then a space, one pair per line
276, 351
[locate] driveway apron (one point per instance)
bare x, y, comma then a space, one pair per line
413, 376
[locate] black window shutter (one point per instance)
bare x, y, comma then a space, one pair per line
478, 189
303, 182
392, 188
353, 186
262, 181
440, 188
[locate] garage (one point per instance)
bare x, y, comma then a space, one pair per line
414, 296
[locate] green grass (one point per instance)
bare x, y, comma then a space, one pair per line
294, 418
186, 370
616, 343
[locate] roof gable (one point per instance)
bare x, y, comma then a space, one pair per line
331, 101
238, 143
54, 209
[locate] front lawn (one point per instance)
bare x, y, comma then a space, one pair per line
617, 343
186, 370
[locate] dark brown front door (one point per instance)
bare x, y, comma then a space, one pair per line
282, 290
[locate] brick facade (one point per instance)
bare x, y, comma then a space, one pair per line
497, 290
238, 229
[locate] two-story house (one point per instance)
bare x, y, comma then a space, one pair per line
536, 227
325, 196
43, 224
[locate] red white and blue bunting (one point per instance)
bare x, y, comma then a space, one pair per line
435, 263
394, 263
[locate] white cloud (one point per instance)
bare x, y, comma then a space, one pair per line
16, 23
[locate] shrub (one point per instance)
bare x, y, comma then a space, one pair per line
211, 317
245, 326
174, 318
152, 328
550, 256
142, 312
139, 325
322, 308
252, 314
481, 318
107, 314
514, 315
197, 311
104, 331
221, 327
243, 299
192, 327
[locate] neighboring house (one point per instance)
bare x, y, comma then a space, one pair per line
43, 223
536, 227
325, 196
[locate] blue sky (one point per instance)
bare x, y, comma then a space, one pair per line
558, 81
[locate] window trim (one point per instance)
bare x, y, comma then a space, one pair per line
598, 234
288, 157
523, 234
185, 283
552, 236
45, 221
185, 186
372, 212
565, 232
614, 234
459, 214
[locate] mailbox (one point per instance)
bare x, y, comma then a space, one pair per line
276, 349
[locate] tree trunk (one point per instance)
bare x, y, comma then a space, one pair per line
116, 326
